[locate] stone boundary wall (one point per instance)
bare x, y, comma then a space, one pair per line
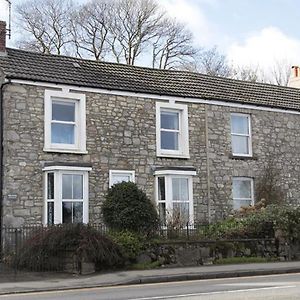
191, 253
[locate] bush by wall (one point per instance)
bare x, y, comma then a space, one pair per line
126, 207
47, 247
131, 243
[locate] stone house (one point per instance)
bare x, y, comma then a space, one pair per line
196, 144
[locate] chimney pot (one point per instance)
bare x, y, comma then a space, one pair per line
2, 37
294, 80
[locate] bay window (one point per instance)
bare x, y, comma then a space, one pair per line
174, 196
66, 195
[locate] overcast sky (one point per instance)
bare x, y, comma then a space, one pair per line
250, 32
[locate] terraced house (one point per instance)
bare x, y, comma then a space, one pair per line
70, 128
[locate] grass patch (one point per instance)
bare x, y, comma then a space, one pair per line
145, 266
244, 260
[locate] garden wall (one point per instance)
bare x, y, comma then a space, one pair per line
191, 253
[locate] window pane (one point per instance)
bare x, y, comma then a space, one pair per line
237, 204
62, 133
242, 188
67, 186
67, 212
77, 187
161, 189
72, 212
50, 186
181, 212
162, 213
169, 140
63, 111
77, 212
240, 144
239, 124
169, 120
180, 188
50, 213
117, 178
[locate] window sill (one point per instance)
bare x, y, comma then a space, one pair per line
242, 157
71, 151
169, 155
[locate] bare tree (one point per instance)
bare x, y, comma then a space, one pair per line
280, 72
248, 73
46, 25
117, 30
268, 184
91, 29
173, 46
212, 62
134, 24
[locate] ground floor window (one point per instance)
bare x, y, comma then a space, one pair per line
66, 195
117, 176
242, 191
174, 196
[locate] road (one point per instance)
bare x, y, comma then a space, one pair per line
283, 287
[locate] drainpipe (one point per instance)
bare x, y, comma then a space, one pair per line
2, 85
207, 167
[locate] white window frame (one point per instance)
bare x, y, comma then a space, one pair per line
236, 178
169, 175
58, 172
183, 139
80, 122
124, 172
249, 136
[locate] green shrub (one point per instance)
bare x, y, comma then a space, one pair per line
130, 243
47, 247
257, 224
128, 208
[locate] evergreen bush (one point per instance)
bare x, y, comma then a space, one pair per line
126, 207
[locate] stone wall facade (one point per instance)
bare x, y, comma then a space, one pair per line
121, 134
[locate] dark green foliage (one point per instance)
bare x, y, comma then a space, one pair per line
128, 208
47, 248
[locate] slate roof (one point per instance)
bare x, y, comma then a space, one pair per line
19, 64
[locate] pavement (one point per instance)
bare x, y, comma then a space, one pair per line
38, 282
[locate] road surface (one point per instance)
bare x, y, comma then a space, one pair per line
283, 287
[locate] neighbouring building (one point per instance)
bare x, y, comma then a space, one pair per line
196, 144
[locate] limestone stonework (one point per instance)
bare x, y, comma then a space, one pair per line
121, 134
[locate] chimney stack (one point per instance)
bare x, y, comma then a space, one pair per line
294, 80
2, 37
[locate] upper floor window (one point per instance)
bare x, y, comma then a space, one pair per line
242, 191
172, 135
117, 176
241, 135
64, 122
